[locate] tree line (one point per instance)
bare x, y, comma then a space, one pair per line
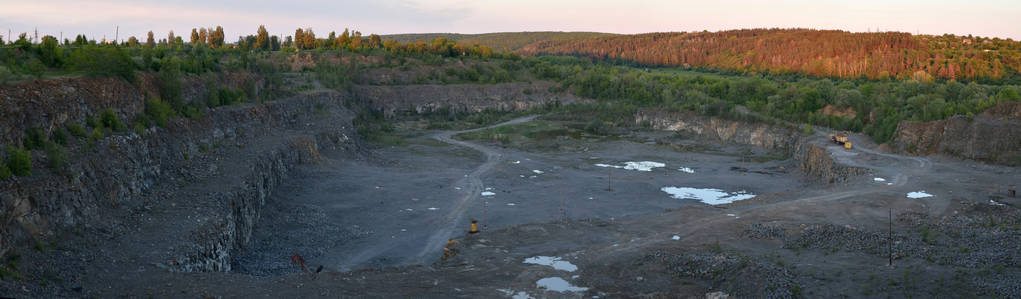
825, 53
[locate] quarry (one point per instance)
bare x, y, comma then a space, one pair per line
287, 199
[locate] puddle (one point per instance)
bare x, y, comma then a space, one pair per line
432, 209
511, 204
707, 195
995, 203
686, 170
676, 237
639, 166
516, 162
488, 193
879, 179
919, 194
558, 284
536, 171
552, 261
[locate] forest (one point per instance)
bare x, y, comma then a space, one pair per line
823, 53
858, 103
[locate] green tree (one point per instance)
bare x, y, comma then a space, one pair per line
217, 37
19, 161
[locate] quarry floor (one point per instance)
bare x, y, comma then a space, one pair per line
378, 224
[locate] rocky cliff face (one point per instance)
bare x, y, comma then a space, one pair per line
51, 104
418, 99
120, 173
993, 136
814, 160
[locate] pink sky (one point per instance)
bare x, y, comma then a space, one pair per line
96, 18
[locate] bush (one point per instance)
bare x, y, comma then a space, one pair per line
104, 62
158, 111
5, 75
5, 173
60, 137
19, 161
91, 121
76, 130
56, 157
110, 121
34, 139
35, 68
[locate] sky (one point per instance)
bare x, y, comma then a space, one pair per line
99, 18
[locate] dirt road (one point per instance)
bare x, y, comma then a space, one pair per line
456, 217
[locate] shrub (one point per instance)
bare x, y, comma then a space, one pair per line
5, 173
35, 68
104, 62
5, 75
76, 130
60, 137
56, 157
109, 120
91, 121
34, 139
158, 111
19, 161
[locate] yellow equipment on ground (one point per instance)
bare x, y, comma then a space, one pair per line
841, 138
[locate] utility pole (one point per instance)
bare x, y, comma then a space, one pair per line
117, 35
890, 241
609, 172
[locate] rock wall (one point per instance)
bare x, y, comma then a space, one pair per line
814, 160
993, 136
51, 104
124, 167
418, 99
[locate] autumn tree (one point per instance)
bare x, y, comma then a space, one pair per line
299, 38
132, 41
194, 37
203, 36
150, 41
216, 37
344, 40
374, 41
261, 38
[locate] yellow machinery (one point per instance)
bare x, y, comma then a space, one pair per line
841, 138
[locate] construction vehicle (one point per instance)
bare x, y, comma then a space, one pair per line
840, 138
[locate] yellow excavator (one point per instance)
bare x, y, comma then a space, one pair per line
841, 138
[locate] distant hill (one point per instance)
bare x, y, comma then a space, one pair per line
815, 52
513, 40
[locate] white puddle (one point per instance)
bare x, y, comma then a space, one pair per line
676, 237
552, 261
707, 195
879, 179
511, 204
558, 284
919, 194
432, 209
457, 188
639, 166
536, 171
488, 193
993, 202
516, 162
686, 170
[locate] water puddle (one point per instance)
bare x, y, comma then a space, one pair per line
536, 171
513, 295
558, 284
552, 261
879, 179
707, 195
919, 194
995, 203
432, 209
686, 170
639, 166
676, 237
488, 193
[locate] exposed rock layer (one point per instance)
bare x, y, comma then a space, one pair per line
993, 136
814, 160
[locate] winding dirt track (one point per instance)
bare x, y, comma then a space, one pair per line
453, 220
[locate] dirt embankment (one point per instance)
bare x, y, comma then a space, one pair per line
993, 136
814, 160
418, 99
52, 104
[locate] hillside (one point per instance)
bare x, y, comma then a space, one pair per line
828, 53
513, 40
